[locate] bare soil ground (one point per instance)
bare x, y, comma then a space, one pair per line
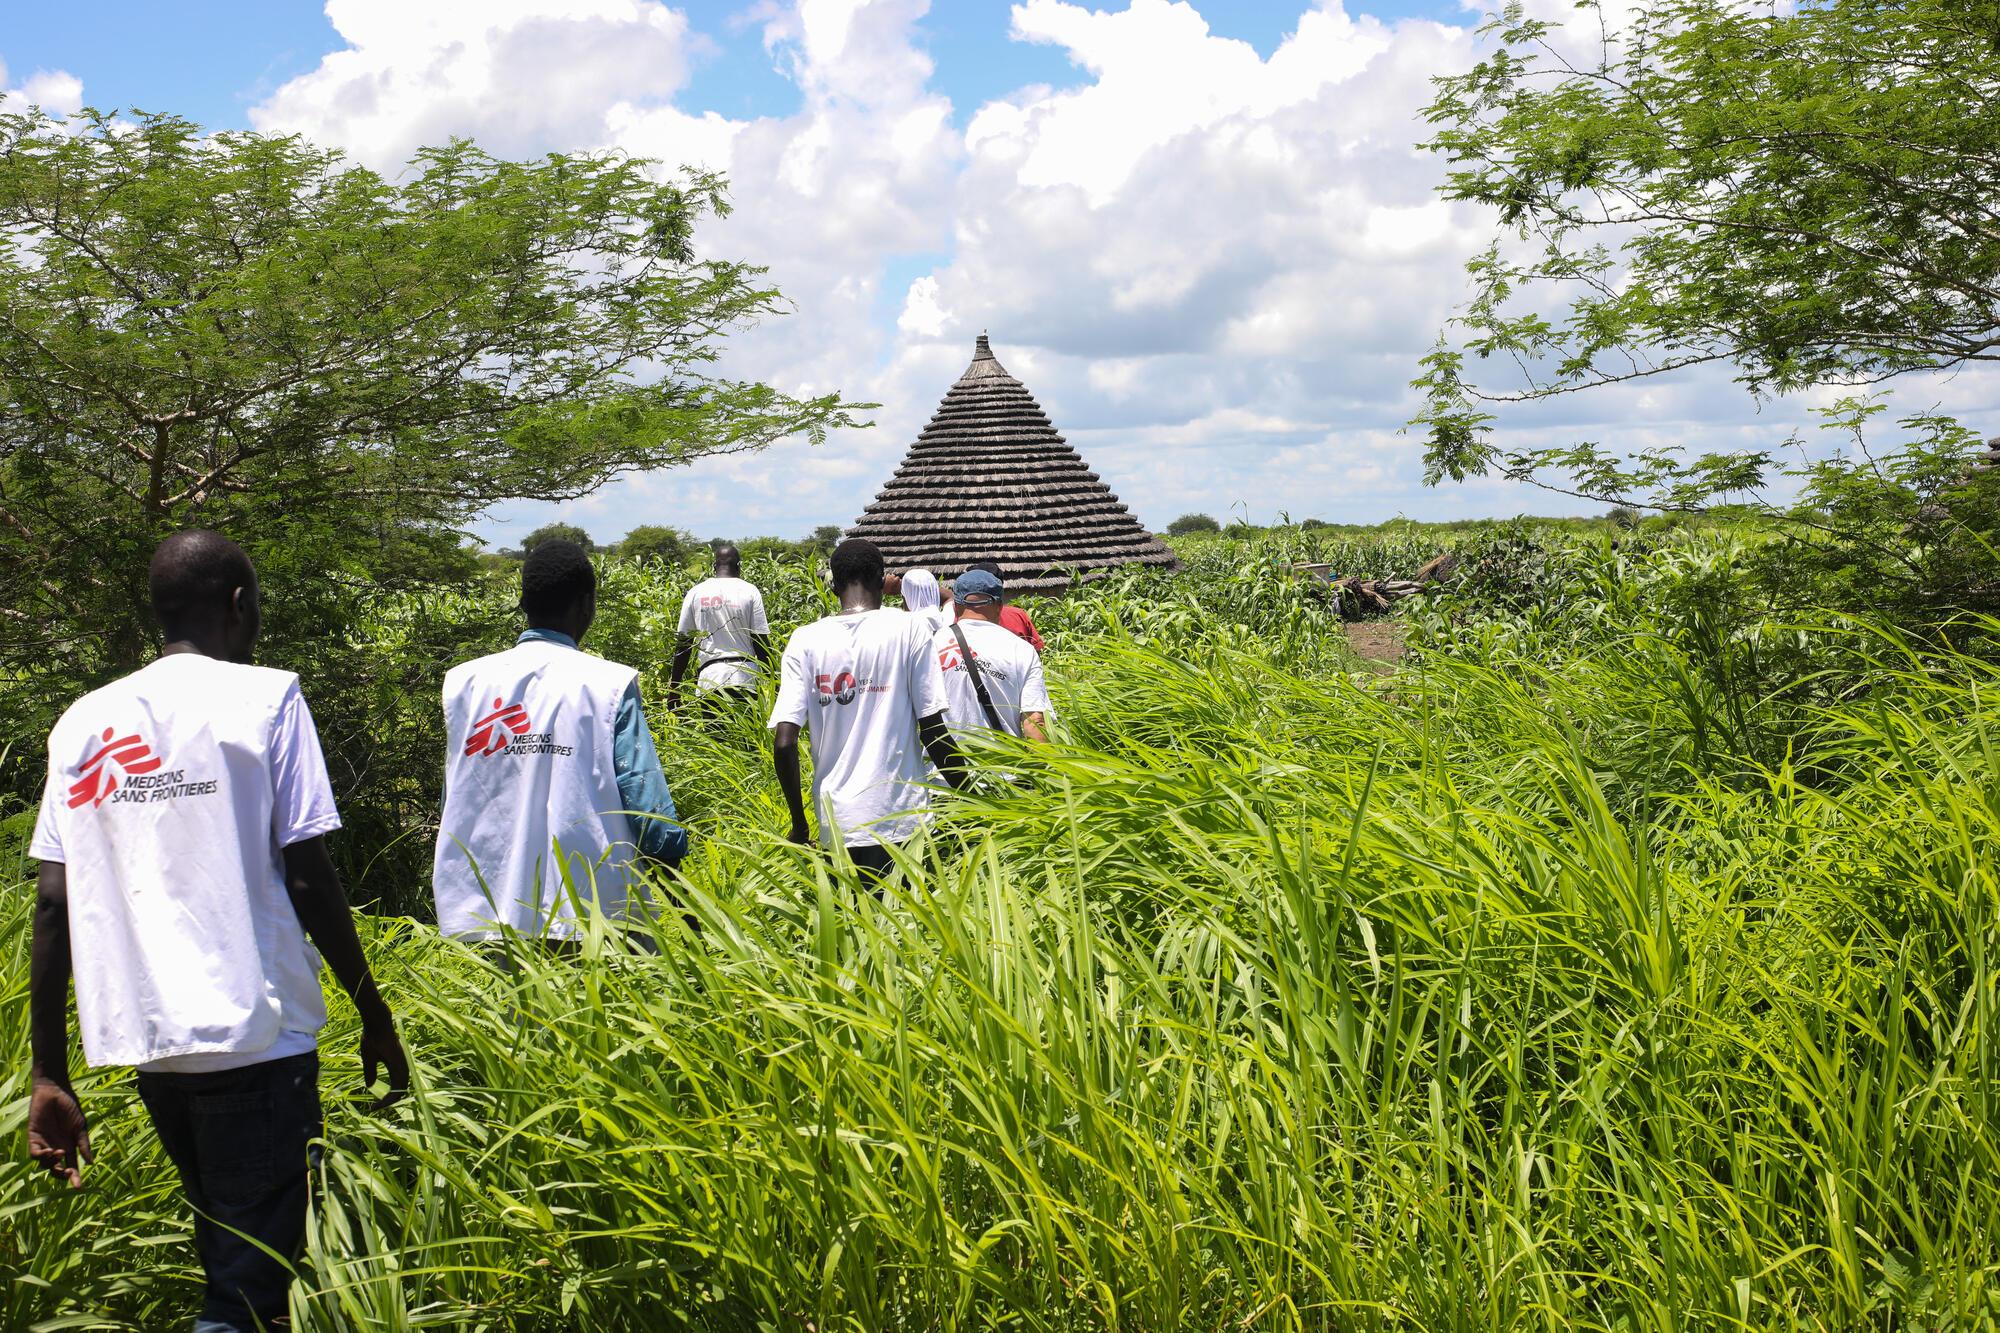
1377, 642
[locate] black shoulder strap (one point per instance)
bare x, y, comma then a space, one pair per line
978, 681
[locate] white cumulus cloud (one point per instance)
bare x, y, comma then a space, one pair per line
1216, 267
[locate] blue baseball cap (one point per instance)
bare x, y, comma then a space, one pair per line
976, 587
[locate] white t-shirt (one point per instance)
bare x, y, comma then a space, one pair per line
171, 795
859, 681
1009, 665
725, 613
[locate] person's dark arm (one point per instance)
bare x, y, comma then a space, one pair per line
760, 644
58, 1136
683, 651
314, 887
785, 758
943, 752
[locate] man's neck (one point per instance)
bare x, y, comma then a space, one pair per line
860, 599
568, 628
183, 642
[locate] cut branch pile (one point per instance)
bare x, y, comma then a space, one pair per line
1359, 598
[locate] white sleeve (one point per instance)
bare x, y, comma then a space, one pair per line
927, 694
793, 687
46, 844
302, 795
758, 624
1035, 689
688, 625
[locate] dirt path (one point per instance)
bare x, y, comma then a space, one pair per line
1379, 643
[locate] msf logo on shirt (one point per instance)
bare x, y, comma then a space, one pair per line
491, 734
505, 731
98, 777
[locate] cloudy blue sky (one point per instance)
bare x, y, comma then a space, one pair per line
1200, 232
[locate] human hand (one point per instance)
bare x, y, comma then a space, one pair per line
381, 1046
58, 1136
800, 833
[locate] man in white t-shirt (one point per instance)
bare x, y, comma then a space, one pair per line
867, 684
725, 616
999, 686
182, 841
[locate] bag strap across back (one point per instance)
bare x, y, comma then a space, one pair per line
978, 681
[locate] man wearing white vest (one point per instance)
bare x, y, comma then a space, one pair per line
867, 684
183, 871
552, 786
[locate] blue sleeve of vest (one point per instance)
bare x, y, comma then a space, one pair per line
641, 784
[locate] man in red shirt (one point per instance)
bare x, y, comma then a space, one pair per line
1012, 617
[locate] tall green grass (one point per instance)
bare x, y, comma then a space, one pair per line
1583, 973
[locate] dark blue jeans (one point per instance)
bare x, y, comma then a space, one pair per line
241, 1139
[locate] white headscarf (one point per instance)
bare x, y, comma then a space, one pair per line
920, 590
920, 595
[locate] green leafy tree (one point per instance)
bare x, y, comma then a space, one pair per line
1803, 194
659, 544
1192, 523
246, 332
554, 532
1910, 532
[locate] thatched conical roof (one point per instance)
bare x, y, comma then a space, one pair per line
990, 479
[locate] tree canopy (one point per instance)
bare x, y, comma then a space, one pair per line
1806, 194
658, 543
553, 532
247, 332
1188, 523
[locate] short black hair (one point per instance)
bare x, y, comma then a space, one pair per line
555, 577
727, 556
192, 575
857, 560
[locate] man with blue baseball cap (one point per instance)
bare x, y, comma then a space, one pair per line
992, 677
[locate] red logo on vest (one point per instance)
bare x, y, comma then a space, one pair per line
491, 733
96, 780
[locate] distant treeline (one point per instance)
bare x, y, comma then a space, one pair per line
1618, 516
670, 546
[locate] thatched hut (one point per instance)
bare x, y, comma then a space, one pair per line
990, 479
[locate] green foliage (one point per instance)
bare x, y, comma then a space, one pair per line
565, 532
1801, 192
1913, 534
339, 370
1188, 524
1563, 978
659, 544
